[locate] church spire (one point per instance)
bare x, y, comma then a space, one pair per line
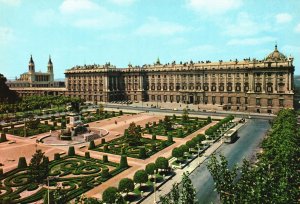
31, 60
49, 62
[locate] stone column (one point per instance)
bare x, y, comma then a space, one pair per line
263, 82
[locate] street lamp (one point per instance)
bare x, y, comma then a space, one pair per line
154, 189
198, 153
48, 179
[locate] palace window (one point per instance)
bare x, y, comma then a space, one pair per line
229, 99
258, 101
153, 97
229, 86
281, 102
246, 100
269, 87
165, 98
213, 98
270, 102
258, 88
158, 97
222, 100
213, 87
221, 87
246, 87
238, 100
238, 87
177, 99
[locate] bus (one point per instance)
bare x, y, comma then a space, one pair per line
230, 136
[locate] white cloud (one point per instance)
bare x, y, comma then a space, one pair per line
123, 2
6, 35
73, 6
244, 26
155, 27
297, 28
283, 18
11, 2
213, 7
251, 41
89, 14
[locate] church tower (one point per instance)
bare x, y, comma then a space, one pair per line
31, 66
50, 69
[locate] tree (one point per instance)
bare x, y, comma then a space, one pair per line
177, 153
133, 135
101, 108
126, 185
22, 163
71, 151
162, 163
6, 95
223, 177
112, 196
38, 166
170, 137
123, 162
140, 177
191, 144
185, 116
167, 123
142, 153
184, 148
3, 137
92, 145
150, 168
188, 193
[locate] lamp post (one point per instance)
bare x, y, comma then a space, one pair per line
154, 188
48, 179
198, 154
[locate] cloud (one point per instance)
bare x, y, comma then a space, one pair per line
11, 2
283, 18
155, 27
122, 2
297, 28
88, 14
213, 7
244, 26
6, 35
73, 6
251, 41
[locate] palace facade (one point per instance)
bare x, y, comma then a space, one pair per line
263, 86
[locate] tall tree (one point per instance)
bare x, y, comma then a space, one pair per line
6, 95
188, 193
38, 167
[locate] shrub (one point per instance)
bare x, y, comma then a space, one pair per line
87, 155
184, 148
162, 163
3, 137
56, 156
123, 162
153, 136
84, 183
140, 177
150, 168
46, 122
92, 145
105, 173
142, 153
52, 118
126, 185
103, 141
6, 200
105, 148
120, 112
63, 124
1, 172
105, 158
123, 151
170, 137
177, 152
110, 195
153, 147
22, 163
71, 151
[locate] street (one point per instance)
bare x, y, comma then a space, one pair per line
251, 134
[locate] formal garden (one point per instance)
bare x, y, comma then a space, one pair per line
133, 144
68, 177
177, 126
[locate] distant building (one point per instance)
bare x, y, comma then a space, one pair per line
250, 85
263, 86
28, 81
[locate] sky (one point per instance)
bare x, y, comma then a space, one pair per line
78, 32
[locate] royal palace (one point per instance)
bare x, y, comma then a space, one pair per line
251, 85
